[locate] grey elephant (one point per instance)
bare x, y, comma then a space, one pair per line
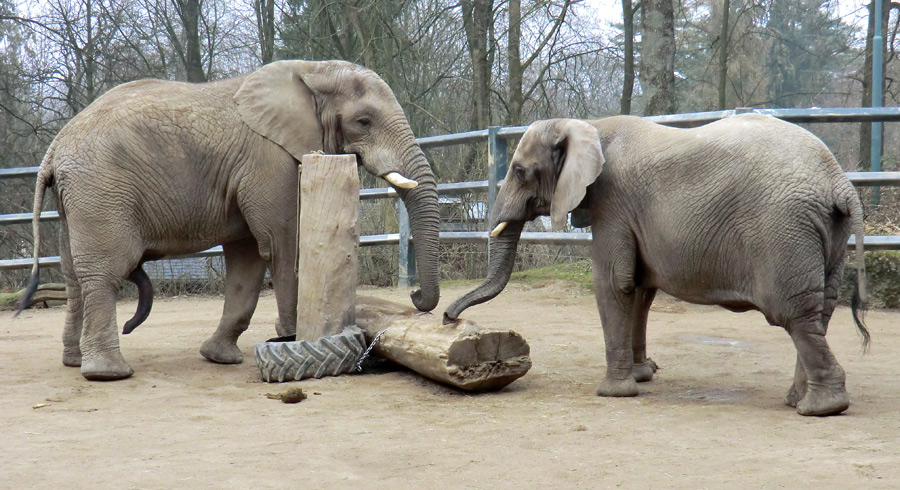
158, 168
750, 213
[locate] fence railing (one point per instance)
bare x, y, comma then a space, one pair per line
497, 139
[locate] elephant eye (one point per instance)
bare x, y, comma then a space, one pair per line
520, 173
364, 122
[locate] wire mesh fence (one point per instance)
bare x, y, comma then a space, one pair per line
459, 212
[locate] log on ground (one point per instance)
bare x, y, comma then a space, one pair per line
461, 354
50, 294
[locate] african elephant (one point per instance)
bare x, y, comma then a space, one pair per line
750, 213
158, 168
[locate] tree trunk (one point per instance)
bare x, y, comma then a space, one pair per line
189, 12
723, 54
363, 32
628, 78
477, 19
865, 129
89, 53
265, 28
515, 99
658, 56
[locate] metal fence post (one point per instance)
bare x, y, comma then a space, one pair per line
406, 275
877, 96
498, 160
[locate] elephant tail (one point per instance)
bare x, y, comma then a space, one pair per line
44, 180
860, 296
145, 299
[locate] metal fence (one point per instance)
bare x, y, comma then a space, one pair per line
497, 139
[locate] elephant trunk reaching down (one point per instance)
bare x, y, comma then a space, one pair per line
503, 256
424, 218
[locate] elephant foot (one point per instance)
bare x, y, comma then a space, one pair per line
107, 368
794, 395
221, 351
822, 400
285, 330
72, 357
618, 387
641, 373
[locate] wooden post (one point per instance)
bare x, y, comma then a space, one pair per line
328, 245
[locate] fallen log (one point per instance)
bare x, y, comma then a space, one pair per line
44, 293
460, 354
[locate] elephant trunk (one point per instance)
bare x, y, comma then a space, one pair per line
503, 256
424, 219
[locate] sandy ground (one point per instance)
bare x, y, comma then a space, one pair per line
712, 418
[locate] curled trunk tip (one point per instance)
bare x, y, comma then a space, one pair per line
424, 302
503, 256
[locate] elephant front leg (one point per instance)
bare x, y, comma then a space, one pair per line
643, 367
244, 271
616, 315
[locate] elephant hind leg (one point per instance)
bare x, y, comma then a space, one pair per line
832, 288
103, 254
643, 367
74, 303
825, 392
244, 271
101, 358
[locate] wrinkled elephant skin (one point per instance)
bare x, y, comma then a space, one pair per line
156, 168
750, 213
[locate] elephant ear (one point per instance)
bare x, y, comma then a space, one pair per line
277, 103
582, 163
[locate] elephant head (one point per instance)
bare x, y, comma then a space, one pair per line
555, 162
355, 112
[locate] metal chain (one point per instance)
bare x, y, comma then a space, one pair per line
369, 349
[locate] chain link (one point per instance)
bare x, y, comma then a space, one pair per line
369, 349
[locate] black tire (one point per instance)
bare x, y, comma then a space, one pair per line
295, 360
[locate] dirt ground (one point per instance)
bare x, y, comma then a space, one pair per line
713, 416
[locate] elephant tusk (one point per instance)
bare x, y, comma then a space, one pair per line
400, 181
499, 229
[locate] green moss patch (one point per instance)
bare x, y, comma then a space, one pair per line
882, 275
575, 272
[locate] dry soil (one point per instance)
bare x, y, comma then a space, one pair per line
713, 417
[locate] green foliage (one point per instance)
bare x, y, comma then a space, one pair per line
883, 279
781, 53
575, 272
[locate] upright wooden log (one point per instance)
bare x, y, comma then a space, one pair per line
328, 245
461, 354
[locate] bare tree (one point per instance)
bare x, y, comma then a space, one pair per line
723, 54
516, 66
188, 44
627, 57
265, 28
478, 16
657, 73
865, 129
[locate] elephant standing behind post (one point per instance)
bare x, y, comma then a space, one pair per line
750, 213
156, 168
